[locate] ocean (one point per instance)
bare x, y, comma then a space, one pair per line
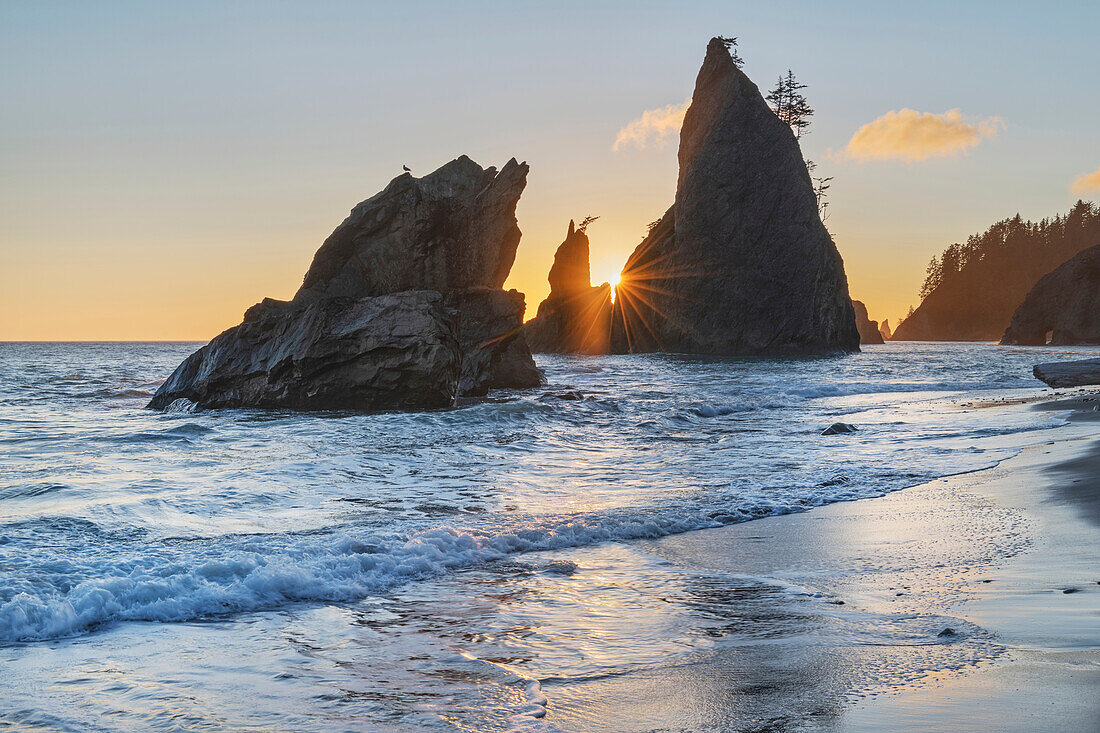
443, 570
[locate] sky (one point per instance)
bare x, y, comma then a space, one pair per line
163, 166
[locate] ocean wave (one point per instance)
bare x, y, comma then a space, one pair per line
171, 583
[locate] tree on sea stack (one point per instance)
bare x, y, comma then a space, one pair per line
730, 42
583, 226
789, 104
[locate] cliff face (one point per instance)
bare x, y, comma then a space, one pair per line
402, 308
741, 263
868, 329
575, 317
1064, 303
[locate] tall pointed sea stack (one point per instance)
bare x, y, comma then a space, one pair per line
576, 317
741, 263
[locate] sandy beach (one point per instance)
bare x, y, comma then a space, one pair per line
968, 603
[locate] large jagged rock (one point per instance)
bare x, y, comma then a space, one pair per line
884, 330
1064, 304
395, 351
488, 324
576, 317
453, 229
401, 309
741, 263
868, 329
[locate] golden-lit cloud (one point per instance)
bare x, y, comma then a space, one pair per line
1086, 182
913, 136
654, 127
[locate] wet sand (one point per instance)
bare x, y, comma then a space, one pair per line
1008, 559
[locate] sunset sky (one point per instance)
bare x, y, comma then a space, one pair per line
164, 166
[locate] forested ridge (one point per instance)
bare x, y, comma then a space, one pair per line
971, 290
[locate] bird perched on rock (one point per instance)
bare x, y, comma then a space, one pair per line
406, 169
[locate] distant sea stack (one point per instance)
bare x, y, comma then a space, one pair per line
884, 329
972, 289
402, 308
1064, 305
575, 317
741, 263
868, 330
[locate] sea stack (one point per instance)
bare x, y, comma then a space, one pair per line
402, 308
884, 330
576, 317
869, 332
741, 263
1064, 305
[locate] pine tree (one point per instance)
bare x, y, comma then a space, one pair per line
821, 188
789, 104
585, 222
777, 98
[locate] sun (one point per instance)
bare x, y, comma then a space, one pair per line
607, 274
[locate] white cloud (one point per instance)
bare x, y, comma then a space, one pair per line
913, 136
654, 127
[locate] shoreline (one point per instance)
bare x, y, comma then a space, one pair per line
1007, 558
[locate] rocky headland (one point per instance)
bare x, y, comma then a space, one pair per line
972, 290
741, 263
402, 308
1063, 308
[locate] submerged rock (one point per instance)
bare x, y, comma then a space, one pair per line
741, 263
402, 308
392, 351
1063, 308
1069, 373
576, 317
839, 428
868, 329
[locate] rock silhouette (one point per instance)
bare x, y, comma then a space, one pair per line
884, 330
741, 263
1064, 304
402, 308
575, 317
868, 329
